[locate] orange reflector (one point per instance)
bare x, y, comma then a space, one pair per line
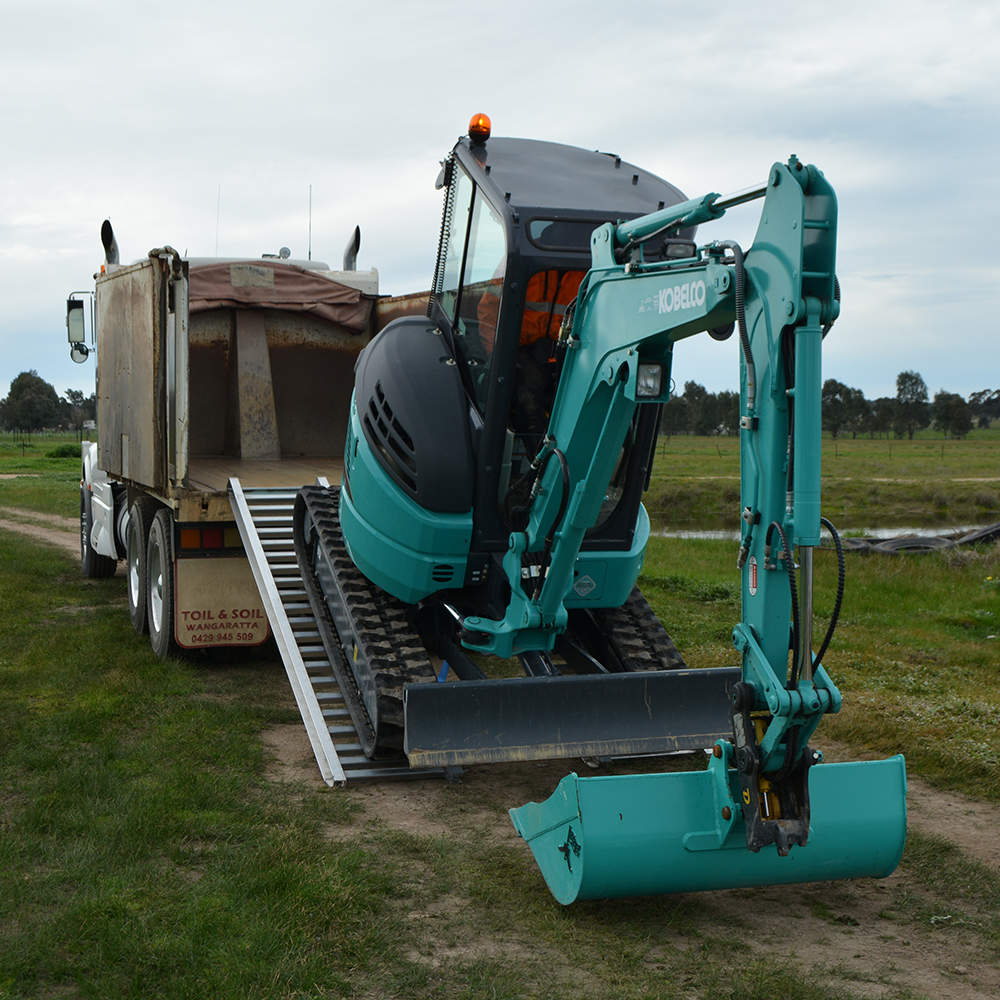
479, 128
190, 538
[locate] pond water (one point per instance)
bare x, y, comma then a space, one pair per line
885, 528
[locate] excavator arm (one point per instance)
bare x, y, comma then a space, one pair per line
782, 295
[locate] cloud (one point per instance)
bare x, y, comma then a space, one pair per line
206, 126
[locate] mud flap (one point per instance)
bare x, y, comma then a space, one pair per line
650, 834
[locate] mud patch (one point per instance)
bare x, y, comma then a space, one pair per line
968, 824
857, 933
53, 520
290, 755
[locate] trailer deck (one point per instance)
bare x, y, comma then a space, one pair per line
213, 474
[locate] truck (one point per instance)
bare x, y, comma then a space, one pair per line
208, 369
487, 511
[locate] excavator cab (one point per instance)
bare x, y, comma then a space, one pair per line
515, 246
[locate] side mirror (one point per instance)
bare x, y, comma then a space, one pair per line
74, 321
78, 350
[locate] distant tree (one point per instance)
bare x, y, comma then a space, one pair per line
912, 409
858, 409
31, 404
844, 408
675, 416
76, 408
833, 406
699, 412
727, 412
951, 414
985, 406
880, 416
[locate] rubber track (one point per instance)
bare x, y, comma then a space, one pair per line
383, 628
637, 636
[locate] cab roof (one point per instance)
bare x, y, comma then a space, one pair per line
547, 178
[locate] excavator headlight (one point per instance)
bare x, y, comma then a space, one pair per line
649, 381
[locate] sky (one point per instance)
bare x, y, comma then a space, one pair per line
204, 126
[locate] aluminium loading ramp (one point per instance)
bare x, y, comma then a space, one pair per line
264, 517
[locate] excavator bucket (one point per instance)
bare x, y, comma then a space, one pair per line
650, 834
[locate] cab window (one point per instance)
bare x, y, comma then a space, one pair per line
460, 196
475, 323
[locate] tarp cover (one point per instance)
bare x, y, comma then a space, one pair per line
256, 284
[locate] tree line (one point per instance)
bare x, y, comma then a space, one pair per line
32, 404
845, 410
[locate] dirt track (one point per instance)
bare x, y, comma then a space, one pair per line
859, 927
61, 531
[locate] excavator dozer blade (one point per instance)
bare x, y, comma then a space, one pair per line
650, 834
595, 715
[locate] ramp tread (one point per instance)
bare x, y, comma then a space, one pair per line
270, 515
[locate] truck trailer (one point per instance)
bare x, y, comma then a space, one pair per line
210, 369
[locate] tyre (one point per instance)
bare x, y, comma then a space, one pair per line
921, 544
92, 564
136, 539
160, 585
990, 533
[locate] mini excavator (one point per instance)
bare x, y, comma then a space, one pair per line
490, 513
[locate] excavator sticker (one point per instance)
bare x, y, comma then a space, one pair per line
752, 582
682, 297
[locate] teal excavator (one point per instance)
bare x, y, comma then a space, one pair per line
490, 513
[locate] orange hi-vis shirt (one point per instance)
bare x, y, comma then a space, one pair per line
545, 301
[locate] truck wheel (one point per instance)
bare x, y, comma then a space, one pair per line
160, 585
92, 564
136, 539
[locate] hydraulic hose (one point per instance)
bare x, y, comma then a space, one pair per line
841, 577
534, 474
531, 476
790, 758
793, 589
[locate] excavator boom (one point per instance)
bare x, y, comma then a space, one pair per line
678, 832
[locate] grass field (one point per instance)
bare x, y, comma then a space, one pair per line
866, 482
148, 849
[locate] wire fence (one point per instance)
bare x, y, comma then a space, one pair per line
45, 434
